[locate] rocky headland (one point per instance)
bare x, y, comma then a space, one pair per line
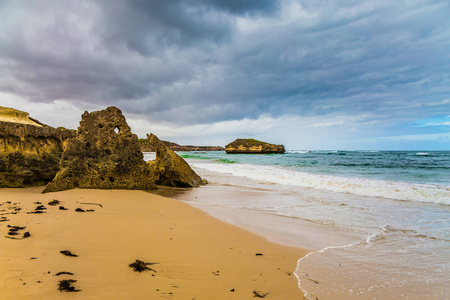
102, 153
252, 146
30, 151
146, 146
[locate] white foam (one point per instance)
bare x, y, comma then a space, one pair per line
423, 154
297, 274
297, 152
359, 186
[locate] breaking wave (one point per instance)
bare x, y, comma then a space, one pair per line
431, 193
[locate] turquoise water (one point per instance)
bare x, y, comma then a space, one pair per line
392, 207
407, 166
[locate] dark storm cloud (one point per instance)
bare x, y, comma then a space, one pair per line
200, 61
243, 7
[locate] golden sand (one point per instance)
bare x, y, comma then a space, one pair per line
197, 256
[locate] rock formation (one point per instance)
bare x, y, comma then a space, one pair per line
146, 146
251, 146
170, 169
29, 150
12, 115
104, 154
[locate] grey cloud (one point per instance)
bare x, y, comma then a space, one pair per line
189, 62
243, 7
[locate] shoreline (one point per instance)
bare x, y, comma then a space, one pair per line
197, 255
279, 229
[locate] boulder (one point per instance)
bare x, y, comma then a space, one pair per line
169, 169
252, 146
104, 154
30, 151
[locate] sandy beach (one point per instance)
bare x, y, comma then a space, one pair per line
196, 256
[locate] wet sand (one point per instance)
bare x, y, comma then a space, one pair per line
196, 255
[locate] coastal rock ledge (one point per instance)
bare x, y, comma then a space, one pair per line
29, 150
252, 146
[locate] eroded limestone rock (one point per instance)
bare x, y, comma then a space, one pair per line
29, 150
104, 154
252, 146
169, 169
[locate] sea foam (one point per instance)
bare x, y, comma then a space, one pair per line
431, 193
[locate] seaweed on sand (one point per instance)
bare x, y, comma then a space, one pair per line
68, 253
66, 285
54, 202
63, 273
140, 266
259, 294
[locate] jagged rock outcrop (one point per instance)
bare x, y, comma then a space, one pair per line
29, 150
104, 154
169, 169
147, 147
252, 146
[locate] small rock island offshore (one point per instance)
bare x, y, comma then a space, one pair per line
252, 146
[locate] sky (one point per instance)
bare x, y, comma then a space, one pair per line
331, 74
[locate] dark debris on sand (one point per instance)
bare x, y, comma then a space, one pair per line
259, 294
68, 253
35, 212
63, 273
140, 266
14, 230
16, 227
54, 202
66, 286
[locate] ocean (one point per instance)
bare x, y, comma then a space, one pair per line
377, 221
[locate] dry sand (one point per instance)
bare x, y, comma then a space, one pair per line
197, 256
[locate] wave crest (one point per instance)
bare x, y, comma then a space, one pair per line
431, 193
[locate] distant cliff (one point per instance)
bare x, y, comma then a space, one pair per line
252, 146
29, 150
146, 146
